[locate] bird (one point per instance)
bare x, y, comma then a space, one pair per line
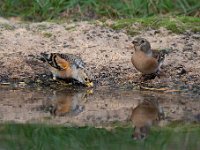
66, 66
146, 60
66, 102
144, 116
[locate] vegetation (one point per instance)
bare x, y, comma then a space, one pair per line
18, 136
47, 34
178, 24
38, 10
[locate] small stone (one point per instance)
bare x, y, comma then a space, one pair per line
182, 71
196, 36
115, 37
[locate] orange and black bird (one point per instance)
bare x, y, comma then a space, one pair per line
67, 66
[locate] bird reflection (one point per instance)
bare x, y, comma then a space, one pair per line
67, 102
144, 116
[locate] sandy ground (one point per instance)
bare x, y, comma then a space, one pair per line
107, 55
106, 52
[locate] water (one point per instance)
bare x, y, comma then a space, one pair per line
67, 119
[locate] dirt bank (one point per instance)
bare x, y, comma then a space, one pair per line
106, 52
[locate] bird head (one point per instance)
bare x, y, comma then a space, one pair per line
81, 75
46, 57
140, 133
141, 44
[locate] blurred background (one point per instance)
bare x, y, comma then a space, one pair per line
40, 10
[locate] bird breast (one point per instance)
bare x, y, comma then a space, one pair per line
144, 115
66, 73
144, 63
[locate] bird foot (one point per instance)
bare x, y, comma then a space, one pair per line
54, 78
148, 77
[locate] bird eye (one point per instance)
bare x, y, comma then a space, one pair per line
86, 79
134, 42
142, 41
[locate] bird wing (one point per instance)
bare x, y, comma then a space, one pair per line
54, 60
159, 55
61, 63
74, 60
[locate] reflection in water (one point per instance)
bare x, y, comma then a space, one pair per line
66, 102
104, 107
144, 116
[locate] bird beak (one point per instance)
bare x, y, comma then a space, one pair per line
89, 84
90, 91
134, 42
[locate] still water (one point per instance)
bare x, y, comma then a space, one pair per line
98, 119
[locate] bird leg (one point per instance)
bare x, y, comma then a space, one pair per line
146, 77
54, 77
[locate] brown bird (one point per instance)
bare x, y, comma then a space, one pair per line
146, 60
66, 66
144, 116
67, 102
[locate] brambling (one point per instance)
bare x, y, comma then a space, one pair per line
146, 60
66, 66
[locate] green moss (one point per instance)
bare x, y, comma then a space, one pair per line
7, 26
187, 19
70, 28
42, 27
174, 24
47, 34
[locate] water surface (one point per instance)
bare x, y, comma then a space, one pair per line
73, 119
87, 107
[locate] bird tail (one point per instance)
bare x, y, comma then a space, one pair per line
38, 57
42, 57
45, 57
161, 57
166, 51
163, 52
